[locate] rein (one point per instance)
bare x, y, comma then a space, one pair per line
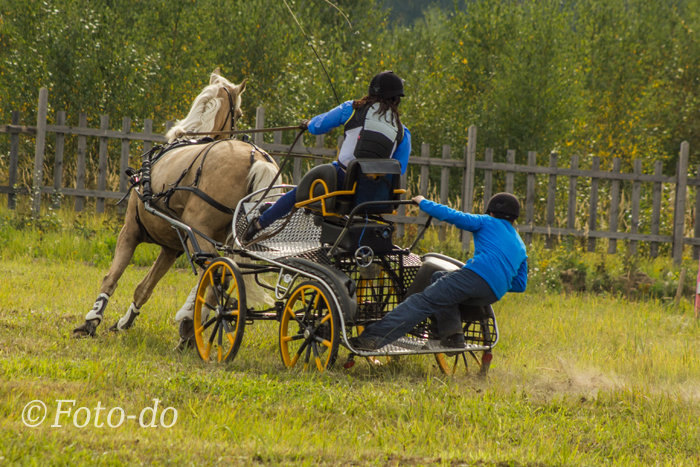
238, 132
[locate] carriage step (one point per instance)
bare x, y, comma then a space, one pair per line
413, 345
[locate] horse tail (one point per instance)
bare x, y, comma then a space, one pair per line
261, 175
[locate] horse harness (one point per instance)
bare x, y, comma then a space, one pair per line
142, 177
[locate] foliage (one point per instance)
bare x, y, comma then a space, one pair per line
610, 77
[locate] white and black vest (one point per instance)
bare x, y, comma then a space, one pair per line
369, 135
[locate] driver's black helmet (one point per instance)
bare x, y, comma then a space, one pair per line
504, 206
386, 84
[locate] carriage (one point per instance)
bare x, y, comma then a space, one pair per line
333, 268
331, 265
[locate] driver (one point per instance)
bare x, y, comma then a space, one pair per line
499, 265
373, 129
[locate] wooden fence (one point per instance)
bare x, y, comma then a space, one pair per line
633, 207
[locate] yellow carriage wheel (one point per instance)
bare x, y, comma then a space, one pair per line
309, 329
219, 311
454, 365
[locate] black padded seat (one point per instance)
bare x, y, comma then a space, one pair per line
325, 172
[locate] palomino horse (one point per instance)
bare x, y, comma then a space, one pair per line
223, 170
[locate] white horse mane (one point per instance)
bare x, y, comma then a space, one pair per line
204, 109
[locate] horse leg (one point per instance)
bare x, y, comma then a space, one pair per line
127, 241
143, 291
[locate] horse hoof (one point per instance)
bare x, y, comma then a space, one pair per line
87, 329
115, 327
186, 335
126, 321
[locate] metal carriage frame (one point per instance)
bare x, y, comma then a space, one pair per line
324, 294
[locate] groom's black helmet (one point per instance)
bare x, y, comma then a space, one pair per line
504, 206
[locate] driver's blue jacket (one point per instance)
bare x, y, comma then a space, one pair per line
499, 257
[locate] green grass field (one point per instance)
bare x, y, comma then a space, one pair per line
576, 380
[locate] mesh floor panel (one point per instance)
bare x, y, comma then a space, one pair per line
289, 236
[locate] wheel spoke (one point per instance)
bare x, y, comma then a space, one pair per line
309, 306
294, 315
205, 325
213, 333
325, 342
295, 337
301, 349
228, 304
317, 358
307, 355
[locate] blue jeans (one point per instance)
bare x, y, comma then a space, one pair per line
440, 299
286, 202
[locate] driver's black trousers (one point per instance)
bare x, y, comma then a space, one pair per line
440, 299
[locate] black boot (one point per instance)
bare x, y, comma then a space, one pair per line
252, 230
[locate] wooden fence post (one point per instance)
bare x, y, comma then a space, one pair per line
39, 151
656, 209
468, 187
444, 189
259, 123
510, 176
571, 214
58, 161
102, 165
696, 226
530, 195
636, 196
424, 170
488, 177
551, 199
14, 162
124, 155
614, 206
80, 170
593, 201
148, 133
679, 212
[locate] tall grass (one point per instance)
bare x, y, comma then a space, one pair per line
577, 379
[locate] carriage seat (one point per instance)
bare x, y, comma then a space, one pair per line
317, 184
365, 180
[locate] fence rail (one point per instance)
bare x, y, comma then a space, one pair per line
600, 193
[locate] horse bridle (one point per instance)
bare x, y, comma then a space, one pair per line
231, 112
